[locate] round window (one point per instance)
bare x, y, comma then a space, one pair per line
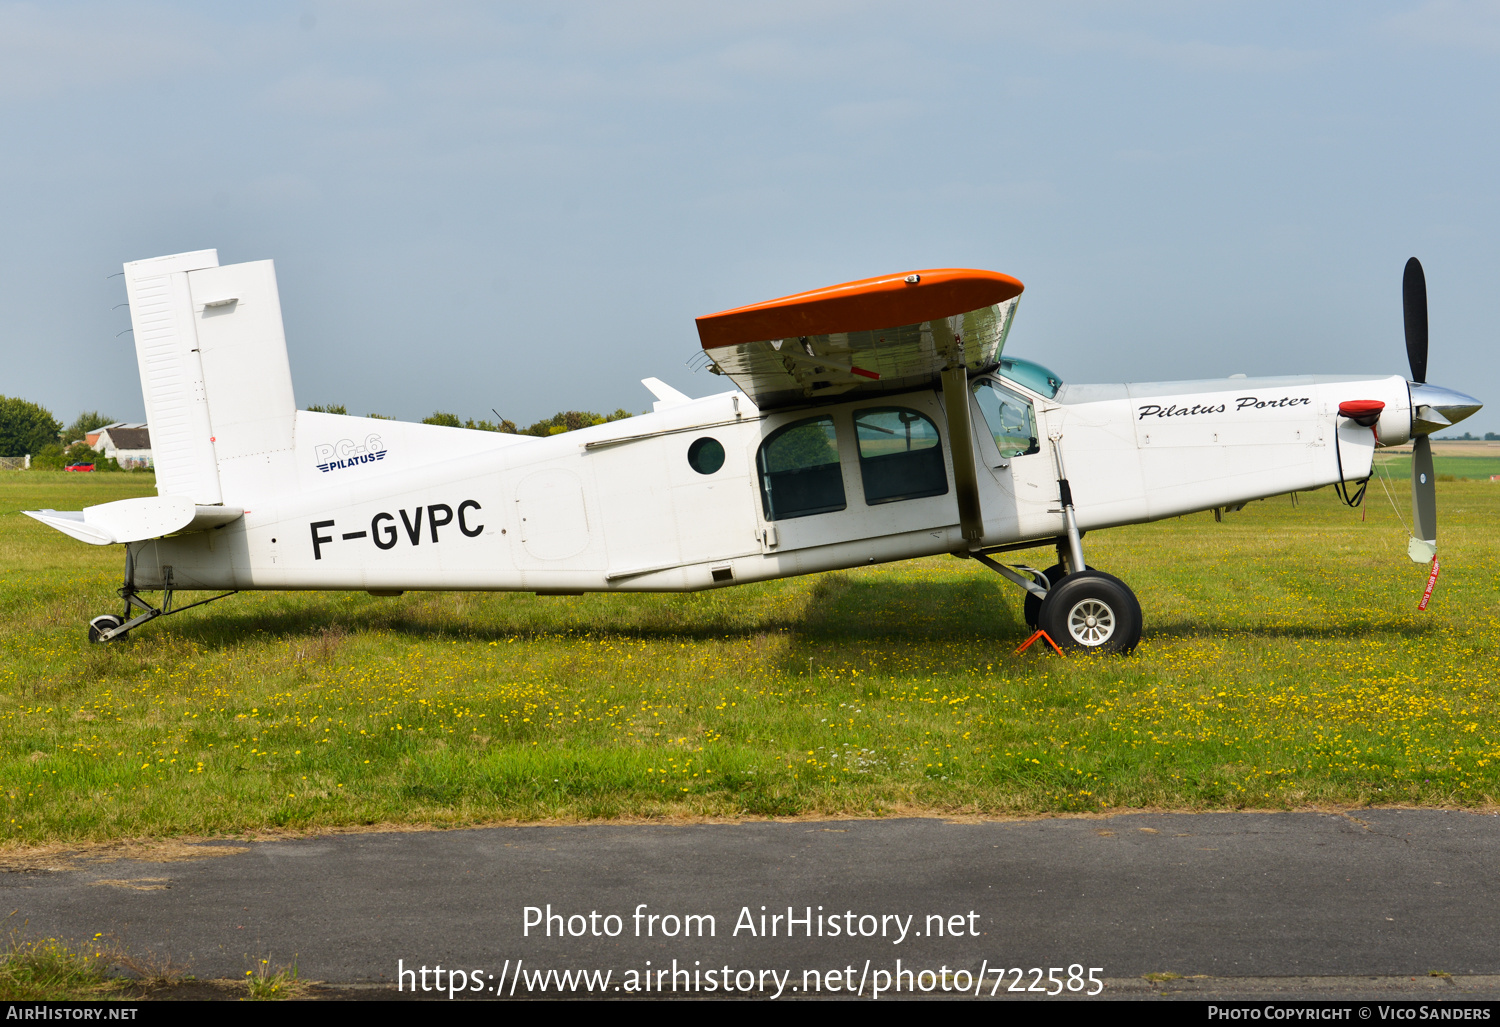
706, 456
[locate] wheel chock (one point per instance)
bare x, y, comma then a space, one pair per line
1040, 634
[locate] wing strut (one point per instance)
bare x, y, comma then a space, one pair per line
961, 445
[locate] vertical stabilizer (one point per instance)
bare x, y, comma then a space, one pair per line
215, 374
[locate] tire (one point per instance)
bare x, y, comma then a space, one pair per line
1092, 612
1032, 607
99, 625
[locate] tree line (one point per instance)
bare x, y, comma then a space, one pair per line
30, 428
563, 420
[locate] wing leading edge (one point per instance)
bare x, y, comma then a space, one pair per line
877, 335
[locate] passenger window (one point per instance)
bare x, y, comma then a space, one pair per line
799, 470
899, 455
1010, 419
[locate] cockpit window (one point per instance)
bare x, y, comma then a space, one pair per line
899, 455
799, 470
1030, 375
1010, 418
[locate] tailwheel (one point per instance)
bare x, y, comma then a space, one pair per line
1031, 607
1091, 612
105, 622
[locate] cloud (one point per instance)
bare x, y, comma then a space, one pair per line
871, 115
45, 52
280, 190
320, 94
1196, 54
1457, 24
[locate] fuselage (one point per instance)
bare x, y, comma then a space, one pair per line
713, 492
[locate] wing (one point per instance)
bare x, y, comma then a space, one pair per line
877, 335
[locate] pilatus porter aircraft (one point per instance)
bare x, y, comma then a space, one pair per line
873, 421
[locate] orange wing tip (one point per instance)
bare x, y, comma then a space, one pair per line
868, 304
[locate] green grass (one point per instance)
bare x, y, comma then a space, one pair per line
1284, 665
55, 970
267, 983
1479, 468
103, 969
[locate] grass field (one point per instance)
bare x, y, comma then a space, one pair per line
1479, 468
1284, 665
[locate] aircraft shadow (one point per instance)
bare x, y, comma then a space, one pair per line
848, 608
838, 609
1358, 630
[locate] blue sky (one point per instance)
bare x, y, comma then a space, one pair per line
524, 206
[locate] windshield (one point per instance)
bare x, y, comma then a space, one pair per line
1030, 375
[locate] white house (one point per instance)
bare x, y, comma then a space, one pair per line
128, 444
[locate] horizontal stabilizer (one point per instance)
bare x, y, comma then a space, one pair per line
135, 520
874, 336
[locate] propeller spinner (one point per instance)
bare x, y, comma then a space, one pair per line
1433, 408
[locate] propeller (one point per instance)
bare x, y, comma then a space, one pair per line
1433, 409
1414, 312
1423, 546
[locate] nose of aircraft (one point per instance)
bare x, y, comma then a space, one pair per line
1434, 408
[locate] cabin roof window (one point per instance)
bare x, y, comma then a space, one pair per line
1030, 375
799, 470
900, 455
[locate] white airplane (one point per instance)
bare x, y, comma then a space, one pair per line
874, 421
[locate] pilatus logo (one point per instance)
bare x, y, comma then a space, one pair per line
346, 453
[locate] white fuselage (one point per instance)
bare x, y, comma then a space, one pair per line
359, 503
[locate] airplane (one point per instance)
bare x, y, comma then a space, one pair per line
873, 421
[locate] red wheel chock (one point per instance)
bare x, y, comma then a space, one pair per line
1040, 634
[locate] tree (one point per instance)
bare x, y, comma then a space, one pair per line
25, 427
505, 426
86, 422
443, 420
55, 457
572, 420
330, 408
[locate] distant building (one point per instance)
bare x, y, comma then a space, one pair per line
92, 438
127, 444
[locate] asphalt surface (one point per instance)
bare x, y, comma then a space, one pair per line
1336, 900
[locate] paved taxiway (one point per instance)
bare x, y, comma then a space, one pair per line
1391, 893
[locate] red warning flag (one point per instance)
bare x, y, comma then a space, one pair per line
1431, 580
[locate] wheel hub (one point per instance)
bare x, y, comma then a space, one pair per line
1091, 622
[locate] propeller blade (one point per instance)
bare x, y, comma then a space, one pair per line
1414, 310
1423, 502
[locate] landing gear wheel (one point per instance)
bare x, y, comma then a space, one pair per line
104, 622
1032, 607
1092, 612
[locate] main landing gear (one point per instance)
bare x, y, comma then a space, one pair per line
1082, 611
1079, 609
108, 628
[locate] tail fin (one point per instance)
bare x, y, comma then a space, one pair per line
215, 376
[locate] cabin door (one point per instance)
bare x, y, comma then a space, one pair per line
864, 470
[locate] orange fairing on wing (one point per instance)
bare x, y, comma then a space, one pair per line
865, 305
881, 335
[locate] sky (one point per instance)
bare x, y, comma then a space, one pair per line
522, 207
